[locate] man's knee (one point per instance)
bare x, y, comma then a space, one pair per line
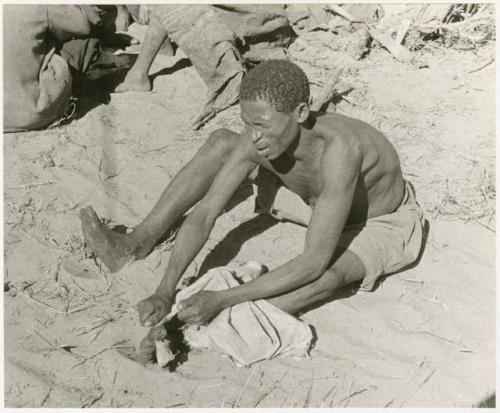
221, 142
333, 278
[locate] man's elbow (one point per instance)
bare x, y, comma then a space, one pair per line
315, 264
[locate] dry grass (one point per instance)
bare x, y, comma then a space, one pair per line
470, 199
464, 27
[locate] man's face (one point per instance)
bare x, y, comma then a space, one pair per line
272, 132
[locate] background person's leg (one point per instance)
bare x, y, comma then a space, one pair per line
80, 54
137, 78
122, 18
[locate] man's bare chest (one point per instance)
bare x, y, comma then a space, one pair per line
300, 177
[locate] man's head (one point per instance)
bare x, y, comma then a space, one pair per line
274, 100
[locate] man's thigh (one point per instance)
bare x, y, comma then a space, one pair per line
384, 244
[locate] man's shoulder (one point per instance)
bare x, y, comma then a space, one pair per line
353, 135
338, 133
335, 124
342, 144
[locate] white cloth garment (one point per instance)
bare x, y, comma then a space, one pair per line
248, 332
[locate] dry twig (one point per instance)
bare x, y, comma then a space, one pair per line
308, 396
276, 384
328, 394
419, 387
327, 91
482, 66
402, 30
400, 52
237, 401
351, 395
27, 186
54, 347
50, 308
116, 345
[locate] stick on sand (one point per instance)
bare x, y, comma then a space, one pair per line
400, 52
327, 92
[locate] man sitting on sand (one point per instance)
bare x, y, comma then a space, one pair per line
365, 220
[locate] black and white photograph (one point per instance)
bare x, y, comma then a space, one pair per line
250, 205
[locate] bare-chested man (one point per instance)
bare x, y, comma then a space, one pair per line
365, 220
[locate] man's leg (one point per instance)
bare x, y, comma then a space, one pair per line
137, 78
122, 18
189, 185
347, 268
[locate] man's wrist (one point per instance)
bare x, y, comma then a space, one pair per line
165, 293
225, 299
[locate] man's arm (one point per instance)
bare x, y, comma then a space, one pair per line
339, 172
196, 228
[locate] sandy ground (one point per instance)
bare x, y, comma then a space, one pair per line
425, 337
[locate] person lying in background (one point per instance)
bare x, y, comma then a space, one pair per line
124, 14
122, 18
218, 39
46, 50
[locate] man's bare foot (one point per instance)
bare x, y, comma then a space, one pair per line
167, 49
133, 83
122, 18
112, 248
121, 24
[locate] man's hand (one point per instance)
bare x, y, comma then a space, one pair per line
153, 309
199, 308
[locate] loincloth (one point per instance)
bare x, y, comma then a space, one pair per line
387, 243
384, 244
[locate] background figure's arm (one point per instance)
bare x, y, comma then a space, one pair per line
69, 21
339, 169
196, 229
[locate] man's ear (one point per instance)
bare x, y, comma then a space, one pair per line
302, 112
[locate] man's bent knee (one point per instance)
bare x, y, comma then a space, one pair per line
221, 142
332, 279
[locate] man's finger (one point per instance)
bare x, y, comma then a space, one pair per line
186, 314
154, 319
184, 304
188, 302
145, 311
149, 322
147, 346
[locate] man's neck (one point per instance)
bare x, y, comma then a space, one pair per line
300, 147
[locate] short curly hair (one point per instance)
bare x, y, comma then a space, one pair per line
279, 82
